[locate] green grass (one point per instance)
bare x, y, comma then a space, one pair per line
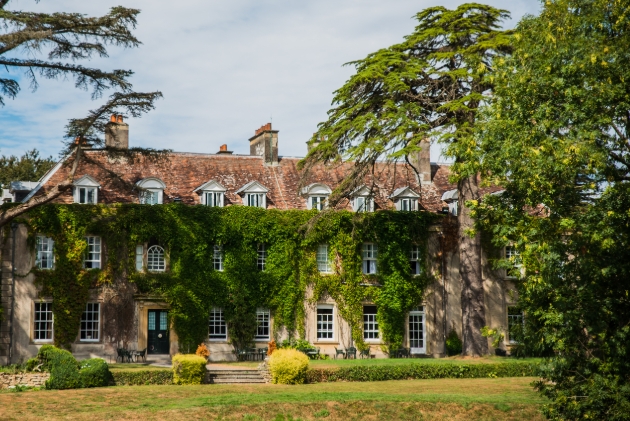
459, 399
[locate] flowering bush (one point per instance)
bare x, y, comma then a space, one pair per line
202, 351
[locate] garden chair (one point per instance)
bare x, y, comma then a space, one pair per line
141, 354
313, 353
351, 351
365, 353
122, 354
262, 353
340, 352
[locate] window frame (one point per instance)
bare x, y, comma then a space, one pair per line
420, 310
370, 320
46, 321
162, 267
218, 323
40, 241
414, 260
261, 201
217, 257
510, 251
214, 195
140, 266
86, 189
513, 319
322, 251
261, 257
411, 203
263, 316
331, 322
87, 253
367, 204
369, 254
97, 322
317, 201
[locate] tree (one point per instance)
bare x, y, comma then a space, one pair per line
556, 137
28, 167
429, 86
72, 37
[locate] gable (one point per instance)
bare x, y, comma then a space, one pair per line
86, 181
211, 185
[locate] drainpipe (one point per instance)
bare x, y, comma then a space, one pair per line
14, 227
443, 292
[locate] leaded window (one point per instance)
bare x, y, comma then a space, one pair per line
516, 322
414, 260
90, 323
44, 258
262, 256
217, 328
370, 323
43, 327
155, 259
262, 324
323, 263
325, 322
92, 259
217, 258
370, 252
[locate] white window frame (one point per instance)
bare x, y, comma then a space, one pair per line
317, 202
45, 252
414, 260
152, 191
217, 257
363, 204
139, 258
85, 198
509, 252
407, 204
156, 252
418, 312
92, 257
213, 198
371, 332
48, 321
91, 315
323, 259
256, 200
514, 319
263, 321
325, 323
369, 256
216, 320
261, 259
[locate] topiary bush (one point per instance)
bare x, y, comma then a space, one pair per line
94, 372
288, 366
453, 344
63, 368
189, 369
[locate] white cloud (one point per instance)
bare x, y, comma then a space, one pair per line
225, 68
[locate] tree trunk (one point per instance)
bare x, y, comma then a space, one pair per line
473, 310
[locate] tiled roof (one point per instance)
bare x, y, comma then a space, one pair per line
184, 172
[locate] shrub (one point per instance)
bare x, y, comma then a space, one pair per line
189, 369
142, 377
94, 372
271, 346
202, 351
31, 364
288, 366
64, 369
453, 343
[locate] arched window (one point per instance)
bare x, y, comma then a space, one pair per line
155, 259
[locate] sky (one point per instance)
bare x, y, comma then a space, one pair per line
225, 67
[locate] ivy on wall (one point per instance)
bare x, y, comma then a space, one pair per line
191, 286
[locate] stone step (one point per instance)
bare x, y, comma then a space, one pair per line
256, 372
238, 381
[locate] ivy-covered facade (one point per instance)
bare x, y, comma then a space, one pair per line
227, 250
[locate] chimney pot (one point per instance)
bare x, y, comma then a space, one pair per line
223, 147
113, 118
119, 118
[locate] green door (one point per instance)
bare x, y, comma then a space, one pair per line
158, 341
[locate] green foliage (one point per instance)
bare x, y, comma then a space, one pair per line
453, 343
31, 363
288, 366
28, 167
370, 373
63, 368
189, 369
295, 343
191, 286
94, 372
495, 334
142, 377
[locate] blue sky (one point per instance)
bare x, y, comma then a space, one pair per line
225, 67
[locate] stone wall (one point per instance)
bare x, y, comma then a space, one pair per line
23, 379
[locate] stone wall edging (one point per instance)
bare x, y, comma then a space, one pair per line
23, 379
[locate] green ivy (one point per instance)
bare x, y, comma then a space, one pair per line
191, 286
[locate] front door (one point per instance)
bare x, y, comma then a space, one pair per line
158, 341
417, 331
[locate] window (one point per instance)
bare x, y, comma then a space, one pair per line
92, 259
150, 197
90, 323
417, 332
139, 257
325, 323
44, 258
318, 202
262, 256
213, 199
370, 251
370, 323
407, 204
155, 259
217, 329
218, 257
363, 204
414, 260
256, 200
262, 328
43, 329
151, 191
512, 254
86, 195
516, 322
323, 264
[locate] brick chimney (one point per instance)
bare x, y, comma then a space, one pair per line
421, 160
117, 133
265, 144
223, 150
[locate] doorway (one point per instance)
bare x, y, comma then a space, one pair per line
417, 331
158, 334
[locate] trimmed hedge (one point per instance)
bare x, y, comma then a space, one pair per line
94, 372
288, 366
142, 377
63, 367
420, 371
189, 369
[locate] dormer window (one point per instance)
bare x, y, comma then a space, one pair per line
86, 190
212, 194
362, 200
316, 196
151, 191
254, 194
451, 198
405, 199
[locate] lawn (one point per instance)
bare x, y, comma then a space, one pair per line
443, 399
